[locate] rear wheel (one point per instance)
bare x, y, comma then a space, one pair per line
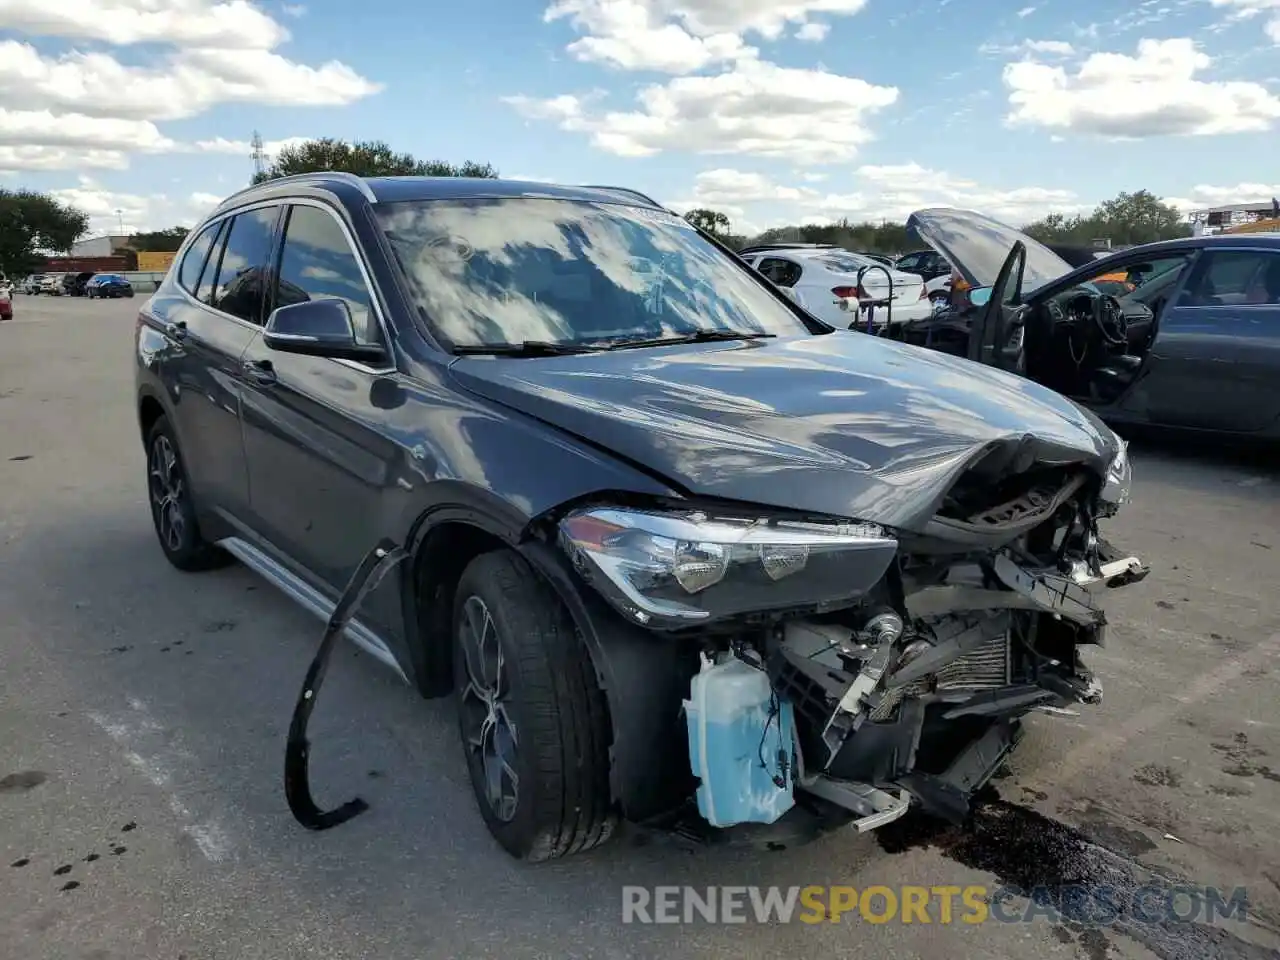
172, 509
533, 718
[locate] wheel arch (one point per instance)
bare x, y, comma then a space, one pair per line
150, 409
644, 676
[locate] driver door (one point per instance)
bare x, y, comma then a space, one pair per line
996, 335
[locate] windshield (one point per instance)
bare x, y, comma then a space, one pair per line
506, 271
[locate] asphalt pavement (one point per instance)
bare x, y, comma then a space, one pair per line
143, 714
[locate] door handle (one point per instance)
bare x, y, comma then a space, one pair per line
260, 371
176, 329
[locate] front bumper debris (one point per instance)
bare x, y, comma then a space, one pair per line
927, 717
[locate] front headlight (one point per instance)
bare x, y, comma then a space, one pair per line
680, 568
1115, 491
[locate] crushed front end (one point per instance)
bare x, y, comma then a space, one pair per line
907, 688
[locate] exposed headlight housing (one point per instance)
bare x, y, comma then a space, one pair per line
683, 568
1115, 491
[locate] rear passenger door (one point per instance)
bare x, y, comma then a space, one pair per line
318, 463
209, 324
1217, 345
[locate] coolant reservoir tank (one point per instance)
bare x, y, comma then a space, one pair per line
741, 744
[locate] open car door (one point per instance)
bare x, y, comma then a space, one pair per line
997, 335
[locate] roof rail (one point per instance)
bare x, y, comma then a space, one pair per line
321, 175
624, 190
756, 247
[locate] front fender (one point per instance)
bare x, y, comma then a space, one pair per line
645, 678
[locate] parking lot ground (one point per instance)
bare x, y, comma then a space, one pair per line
143, 714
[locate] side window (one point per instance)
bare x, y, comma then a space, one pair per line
1233, 278
910, 262
317, 262
204, 292
193, 260
240, 284
782, 272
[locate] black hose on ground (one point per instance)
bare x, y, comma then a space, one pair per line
297, 788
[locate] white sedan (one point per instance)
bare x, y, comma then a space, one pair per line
844, 289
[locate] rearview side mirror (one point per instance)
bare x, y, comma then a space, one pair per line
980, 296
318, 328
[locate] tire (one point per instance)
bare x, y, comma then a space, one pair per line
544, 686
173, 513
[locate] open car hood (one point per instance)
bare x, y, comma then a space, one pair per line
842, 424
977, 246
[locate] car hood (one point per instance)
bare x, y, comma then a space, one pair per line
977, 246
841, 424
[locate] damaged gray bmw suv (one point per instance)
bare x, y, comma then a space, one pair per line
685, 555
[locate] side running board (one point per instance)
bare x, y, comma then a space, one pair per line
309, 598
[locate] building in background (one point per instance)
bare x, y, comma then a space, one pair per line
1218, 219
111, 245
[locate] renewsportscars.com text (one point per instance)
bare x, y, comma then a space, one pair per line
1091, 904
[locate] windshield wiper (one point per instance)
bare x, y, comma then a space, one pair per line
698, 336
526, 348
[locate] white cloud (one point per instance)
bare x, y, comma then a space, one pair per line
1053, 48
43, 128
1025, 12
190, 82
723, 185
1057, 48
14, 159
755, 107
1247, 9
682, 36
881, 192
197, 23
1154, 93
631, 35
813, 32
86, 109
244, 148
155, 211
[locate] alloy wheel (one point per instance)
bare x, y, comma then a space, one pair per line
167, 493
488, 729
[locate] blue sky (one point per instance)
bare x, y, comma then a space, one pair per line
771, 110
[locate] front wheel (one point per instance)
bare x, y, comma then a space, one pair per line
533, 719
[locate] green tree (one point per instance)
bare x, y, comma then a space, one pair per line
712, 221
366, 158
1140, 217
1129, 218
159, 241
33, 222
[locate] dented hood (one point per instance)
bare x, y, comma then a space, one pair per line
841, 424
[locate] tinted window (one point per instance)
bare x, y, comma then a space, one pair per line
240, 285
785, 273
1234, 278
193, 259
317, 262
491, 271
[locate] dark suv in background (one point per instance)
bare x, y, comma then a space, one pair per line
686, 554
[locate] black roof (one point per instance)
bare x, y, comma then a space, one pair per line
394, 189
